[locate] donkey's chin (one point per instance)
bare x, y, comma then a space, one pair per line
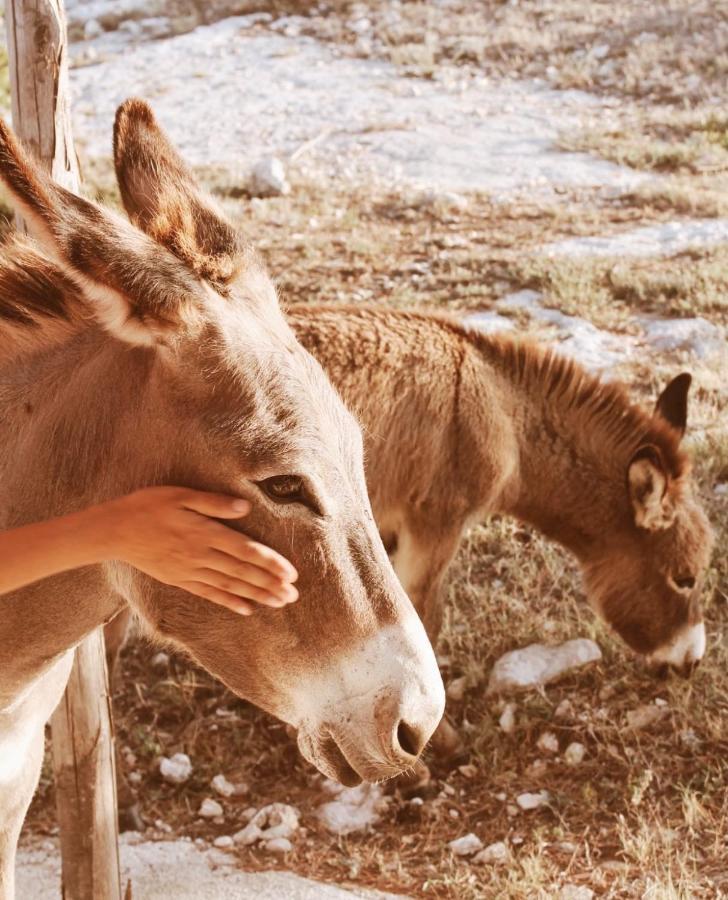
323, 752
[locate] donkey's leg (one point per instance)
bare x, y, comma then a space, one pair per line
116, 634
21, 758
421, 559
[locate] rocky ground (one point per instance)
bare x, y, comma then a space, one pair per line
559, 168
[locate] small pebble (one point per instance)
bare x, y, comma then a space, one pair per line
223, 842
507, 721
177, 769
565, 710
548, 743
575, 892
210, 809
456, 688
466, 845
529, 801
493, 854
222, 786
574, 754
278, 845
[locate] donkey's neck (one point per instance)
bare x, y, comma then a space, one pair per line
70, 438
575, 437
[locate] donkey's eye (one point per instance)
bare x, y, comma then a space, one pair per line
686, 583
285, 489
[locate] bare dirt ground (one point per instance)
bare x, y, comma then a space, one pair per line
645, 814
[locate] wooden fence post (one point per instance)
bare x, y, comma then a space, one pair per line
83, 748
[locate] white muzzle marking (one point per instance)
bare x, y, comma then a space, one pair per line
687, 647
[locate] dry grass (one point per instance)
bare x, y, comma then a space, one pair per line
646, 814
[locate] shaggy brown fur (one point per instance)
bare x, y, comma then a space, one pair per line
460, 425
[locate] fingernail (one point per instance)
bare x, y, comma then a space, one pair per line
245, 611
241, 505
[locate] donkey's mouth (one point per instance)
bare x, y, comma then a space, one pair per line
323, 752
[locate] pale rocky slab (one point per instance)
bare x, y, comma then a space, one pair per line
537, 664
179, 870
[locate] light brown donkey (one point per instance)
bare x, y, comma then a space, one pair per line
156, 353
460, 425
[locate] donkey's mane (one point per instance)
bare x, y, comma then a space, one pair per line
594, 402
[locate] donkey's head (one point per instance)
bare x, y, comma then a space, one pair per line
213, 391
645, 579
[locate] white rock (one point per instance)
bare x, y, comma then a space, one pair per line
494, 854
222, 786
564, 710
92, 29
466, 845
210, 809
507, 721
529, 801
456, 688
548, 743
224, 842
697, 336
268, 178
538, 664
277, 820
177, 769
574, 754
278, 845
354, 809
575, 892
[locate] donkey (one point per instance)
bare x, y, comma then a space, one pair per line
460, 425
155, 352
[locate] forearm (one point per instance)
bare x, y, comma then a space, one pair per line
37, 551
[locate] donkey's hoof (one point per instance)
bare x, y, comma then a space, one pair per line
446, 744
130, 819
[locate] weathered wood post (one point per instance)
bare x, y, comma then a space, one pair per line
83, 750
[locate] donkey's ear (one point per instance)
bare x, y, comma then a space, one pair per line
647, 483
137, 290
672, 404
163, 198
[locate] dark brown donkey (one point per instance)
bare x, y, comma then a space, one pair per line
155, 352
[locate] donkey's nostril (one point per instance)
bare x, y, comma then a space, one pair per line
410, 739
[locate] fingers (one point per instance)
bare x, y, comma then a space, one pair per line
242, 548
219, 506
245, 589
251, 574
216, 595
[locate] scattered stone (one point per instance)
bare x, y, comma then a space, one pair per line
548, 743
575, 892
538, 664
468, 770
574, 754
277, 820
177, 769
529, 801
278, 845
210, 809
135, 777
493, 854
268, 178
353, 809
224, 842
507, 721
564, 711
222, 786
466, 845
160, 662
644, 716
161, 825
537, 768
456, 688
